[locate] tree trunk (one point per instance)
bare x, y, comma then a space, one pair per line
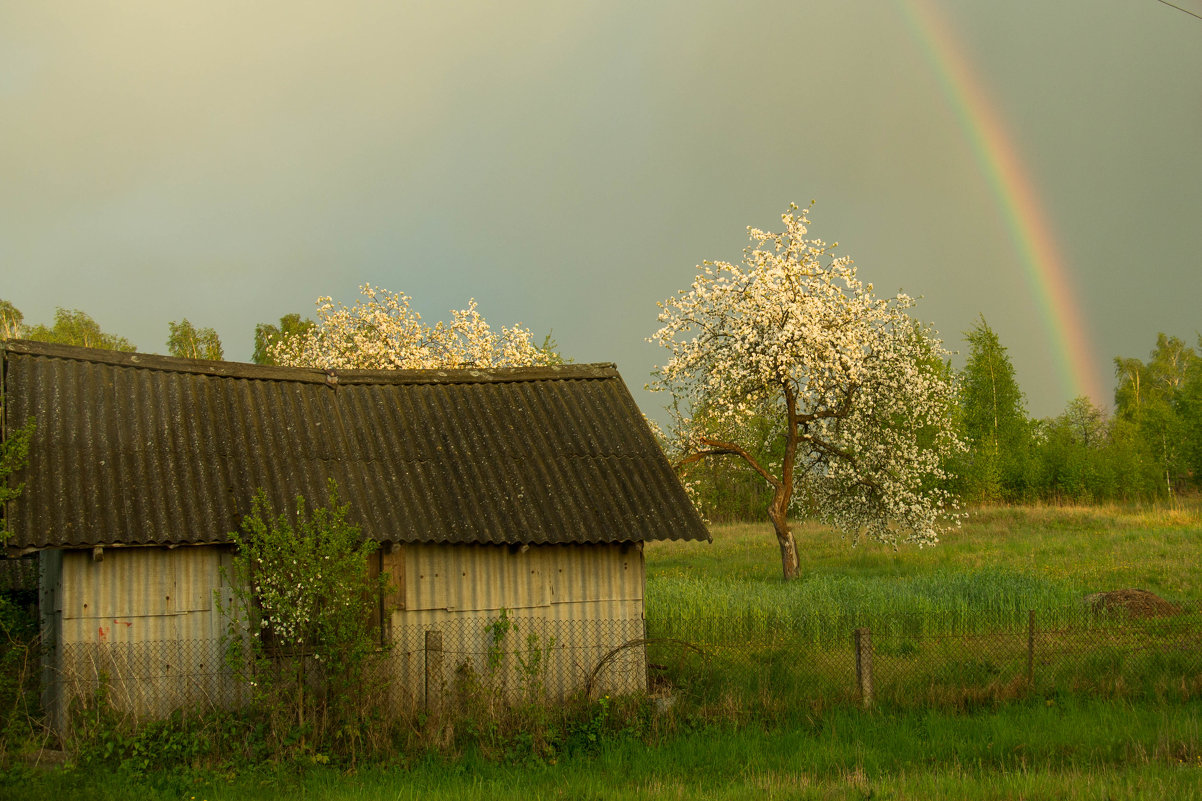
790, 563
779, 513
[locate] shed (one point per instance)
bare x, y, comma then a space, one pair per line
529, 490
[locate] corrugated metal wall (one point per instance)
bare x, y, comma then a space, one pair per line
146, 619
567, 606
136, 595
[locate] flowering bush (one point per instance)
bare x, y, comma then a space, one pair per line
303, 599
381, 331
791, 354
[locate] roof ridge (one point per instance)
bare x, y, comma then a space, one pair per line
228, 369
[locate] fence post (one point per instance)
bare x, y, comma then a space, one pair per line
864, 665
1031, 648
434, 675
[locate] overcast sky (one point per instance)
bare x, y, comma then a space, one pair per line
568, 164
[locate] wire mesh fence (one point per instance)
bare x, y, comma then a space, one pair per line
897, 662
478, 663
500, 660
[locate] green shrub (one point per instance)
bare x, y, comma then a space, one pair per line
301, 625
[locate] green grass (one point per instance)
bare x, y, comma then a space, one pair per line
1085, 749
949, 624
984, 576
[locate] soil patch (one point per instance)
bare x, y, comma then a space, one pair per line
1135, 602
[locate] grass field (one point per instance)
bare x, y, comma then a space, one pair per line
949, 623
984, 576
745, 722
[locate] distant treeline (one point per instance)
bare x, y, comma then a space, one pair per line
75, 327
1148, 448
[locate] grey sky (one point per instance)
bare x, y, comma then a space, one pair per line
568, 164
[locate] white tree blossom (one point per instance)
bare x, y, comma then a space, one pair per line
381, 331
857, 393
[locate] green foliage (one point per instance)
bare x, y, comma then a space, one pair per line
19, 667
513, 723
74, 327
268, 335
993, 422
14, 456
550, 352
301, 630
724, 489
10, 320
189, 342
1160, 398
1071, 750
1189, 407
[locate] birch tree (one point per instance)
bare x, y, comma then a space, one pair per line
189, 342
859, 394
74, 327
994, 420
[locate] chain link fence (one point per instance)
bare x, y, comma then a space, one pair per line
492, 663
911, 663
498, 661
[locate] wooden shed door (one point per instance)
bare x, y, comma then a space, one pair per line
391, 562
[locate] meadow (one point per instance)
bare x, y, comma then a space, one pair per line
746, 706
985, 575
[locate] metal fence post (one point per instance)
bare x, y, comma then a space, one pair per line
864, 665
434, 675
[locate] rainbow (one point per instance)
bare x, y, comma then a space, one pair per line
1015, 194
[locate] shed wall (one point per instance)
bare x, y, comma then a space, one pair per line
567, 606
146, 621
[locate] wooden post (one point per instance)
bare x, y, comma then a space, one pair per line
1031, 648
864, 666
434, 676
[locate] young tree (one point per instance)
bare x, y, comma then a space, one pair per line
1156, 398
858, 393
10, 321
189, 342
268, 336
1190, 408
1072, 453
74, 327
381, 332
994, 419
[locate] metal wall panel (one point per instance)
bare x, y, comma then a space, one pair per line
146, 619
568, 606
142, 595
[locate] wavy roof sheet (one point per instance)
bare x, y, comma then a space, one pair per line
134, 449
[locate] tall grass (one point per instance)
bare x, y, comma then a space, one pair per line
824, 606
984, 577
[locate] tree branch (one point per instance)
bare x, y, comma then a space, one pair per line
720, 448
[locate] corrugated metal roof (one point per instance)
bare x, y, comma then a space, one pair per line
134, 449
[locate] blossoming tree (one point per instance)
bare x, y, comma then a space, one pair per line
381, 331
855, 390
